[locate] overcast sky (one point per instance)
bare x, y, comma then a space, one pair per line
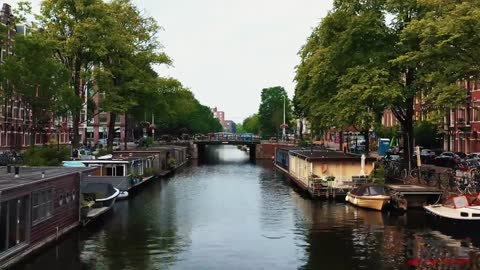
227, 51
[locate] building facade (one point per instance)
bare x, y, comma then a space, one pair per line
220, 115
15, 115
95, 130
462, 124
229, 126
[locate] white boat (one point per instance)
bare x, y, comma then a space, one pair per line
456, 208
123, 195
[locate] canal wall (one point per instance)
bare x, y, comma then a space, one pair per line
267, 150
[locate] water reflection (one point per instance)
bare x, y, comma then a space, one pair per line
230, 213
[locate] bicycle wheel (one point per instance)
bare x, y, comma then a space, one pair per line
404, 176
445, 179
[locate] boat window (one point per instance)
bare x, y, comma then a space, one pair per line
42, 207
13, 222
119, 171
475, 215
463, 214
109, 171
375, 190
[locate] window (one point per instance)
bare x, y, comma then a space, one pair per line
42, 205
13, 222
103, 119
475, 111
117, 119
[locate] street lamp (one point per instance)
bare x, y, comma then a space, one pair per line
283, 128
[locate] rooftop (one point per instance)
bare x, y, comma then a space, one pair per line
327, 155
28, 175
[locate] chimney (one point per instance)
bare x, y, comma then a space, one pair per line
17, 170
43, 175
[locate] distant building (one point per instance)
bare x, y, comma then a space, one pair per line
305, 127
95, 130
220, 115
230, 126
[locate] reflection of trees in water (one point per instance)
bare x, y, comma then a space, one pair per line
144, 235
275, 201
64, 255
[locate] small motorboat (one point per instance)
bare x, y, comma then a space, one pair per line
369, 196
457, 208
123, 195
97, 199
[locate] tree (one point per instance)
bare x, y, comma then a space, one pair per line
38, 77
75, 28
355, 64
270, 113
251, 124
426, 134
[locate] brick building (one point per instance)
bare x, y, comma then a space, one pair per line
15, 115
95, 130
220, 115
462, 124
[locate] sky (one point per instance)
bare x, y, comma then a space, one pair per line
227, 51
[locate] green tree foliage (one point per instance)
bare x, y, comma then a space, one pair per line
126, 69
38, 77
270, 113
358, 62
251, 124
426, 134
75, 28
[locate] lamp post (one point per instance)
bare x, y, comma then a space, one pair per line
283, 128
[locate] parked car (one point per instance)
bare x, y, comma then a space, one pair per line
461, 155
475, 156
427, 156
446, 161
452, 155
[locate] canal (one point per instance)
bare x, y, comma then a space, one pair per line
229, 213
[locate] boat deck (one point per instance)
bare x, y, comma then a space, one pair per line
95, 212
415, 189
417, 196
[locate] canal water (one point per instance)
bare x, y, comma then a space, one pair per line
229, 213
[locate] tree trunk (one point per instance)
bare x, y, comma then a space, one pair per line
111, 130
77, 84
366, 134
125, 136
300, 134
407, 125
341, 141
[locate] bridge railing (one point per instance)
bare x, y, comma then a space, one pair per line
219, 137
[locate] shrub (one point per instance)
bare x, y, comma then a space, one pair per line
103, 152
378, 174
171, 163
46, 156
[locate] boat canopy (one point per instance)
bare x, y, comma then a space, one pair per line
101, 190
369, 190
74, 164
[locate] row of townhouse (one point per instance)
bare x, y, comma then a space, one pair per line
461, 125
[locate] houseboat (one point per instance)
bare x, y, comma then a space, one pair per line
125, 174
37, 206
165, 158
322, 173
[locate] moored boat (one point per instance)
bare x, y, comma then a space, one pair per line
369, 196
458, 208
97, 199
